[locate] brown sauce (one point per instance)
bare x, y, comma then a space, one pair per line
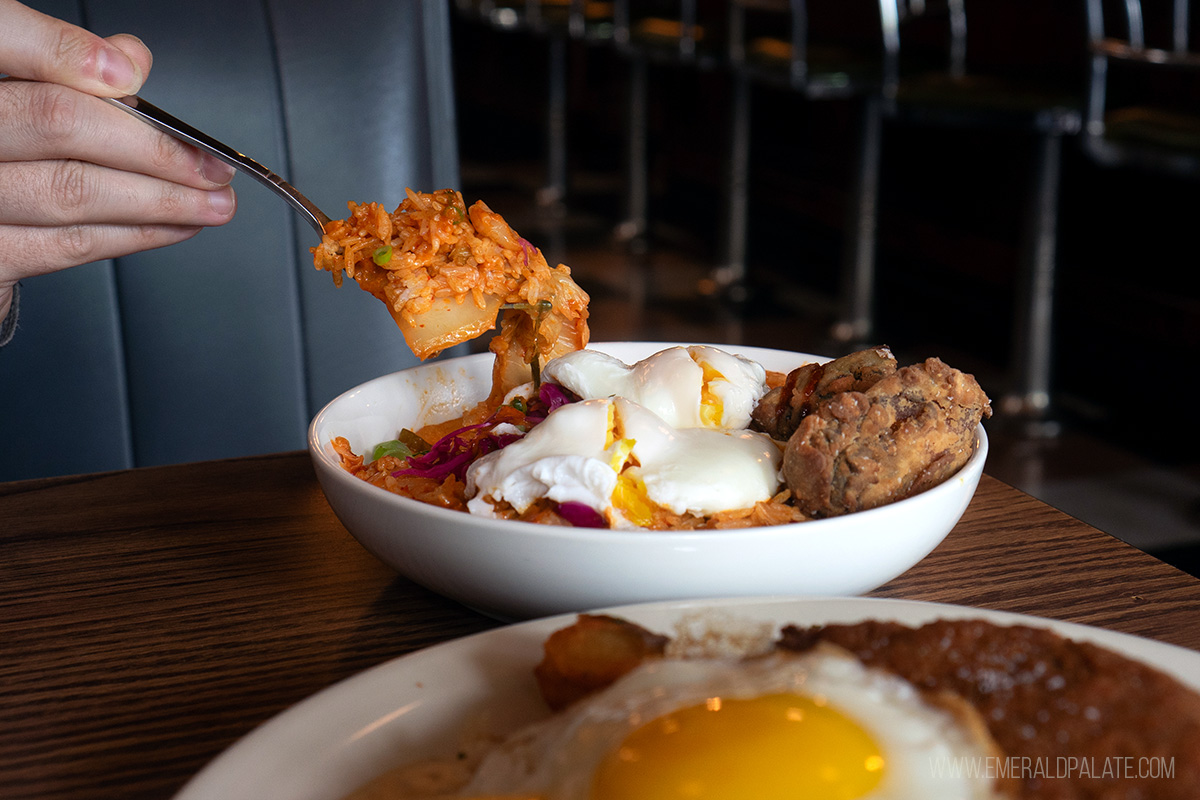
1075, 721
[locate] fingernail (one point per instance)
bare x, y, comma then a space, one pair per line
118, 71
221, 201
215, 170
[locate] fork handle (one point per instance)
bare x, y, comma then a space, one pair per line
155, 116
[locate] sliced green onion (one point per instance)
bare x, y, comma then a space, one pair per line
383, 255
458, 212
519, 404
541, 306
393, 448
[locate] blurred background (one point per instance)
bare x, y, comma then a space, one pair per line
1009, 186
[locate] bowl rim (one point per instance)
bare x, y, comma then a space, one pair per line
328, 466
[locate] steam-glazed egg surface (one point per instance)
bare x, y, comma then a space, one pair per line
819, 726
688, 387
623, 461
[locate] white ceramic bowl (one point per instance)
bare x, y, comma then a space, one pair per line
516, 570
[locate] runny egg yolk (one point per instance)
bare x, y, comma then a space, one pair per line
763, 748
629, 495
712, 407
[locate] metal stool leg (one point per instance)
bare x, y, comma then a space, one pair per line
856, 320
637, 158
555, 189
730, 275
1034, 322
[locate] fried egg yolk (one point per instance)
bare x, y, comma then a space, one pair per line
732, 749
818, 726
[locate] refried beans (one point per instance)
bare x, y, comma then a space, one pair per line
1075, 721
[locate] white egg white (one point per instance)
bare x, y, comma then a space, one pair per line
575, 455
561, 458
699, 470
672, 383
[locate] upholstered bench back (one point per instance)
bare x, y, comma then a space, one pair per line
227, 344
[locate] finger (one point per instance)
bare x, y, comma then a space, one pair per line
41, 121
39, 47
59, 193
28, 251
135, 50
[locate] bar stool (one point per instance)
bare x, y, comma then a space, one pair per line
558, 22
1010, 90
681, 33
1143, 120
780, 43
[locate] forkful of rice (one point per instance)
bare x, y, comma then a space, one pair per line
446, 271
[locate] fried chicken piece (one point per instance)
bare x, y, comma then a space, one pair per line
780, 411
906, 433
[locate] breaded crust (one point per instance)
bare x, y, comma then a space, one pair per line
779, 413
862, 449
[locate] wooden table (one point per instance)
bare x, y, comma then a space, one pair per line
150, 618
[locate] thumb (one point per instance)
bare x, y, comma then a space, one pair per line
38, 47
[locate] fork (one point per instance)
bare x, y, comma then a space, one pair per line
155, 116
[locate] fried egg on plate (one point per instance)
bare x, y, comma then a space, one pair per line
623, 460
819, 726
688, 387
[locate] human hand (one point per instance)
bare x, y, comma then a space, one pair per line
80, 180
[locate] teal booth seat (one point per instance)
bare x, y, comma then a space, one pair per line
227, 344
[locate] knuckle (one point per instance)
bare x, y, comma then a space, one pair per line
166, 154
146, 237
54, 114
76, 244
69, 189
12, 94
172, 204
68, 47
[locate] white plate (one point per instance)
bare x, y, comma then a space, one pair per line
412, 707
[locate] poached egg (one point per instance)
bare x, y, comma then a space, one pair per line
623, 460
688, 387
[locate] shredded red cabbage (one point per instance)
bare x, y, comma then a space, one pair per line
553, 396
454, 452
457, 450
549, 397
581, 515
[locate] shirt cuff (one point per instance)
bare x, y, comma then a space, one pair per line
8, 327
